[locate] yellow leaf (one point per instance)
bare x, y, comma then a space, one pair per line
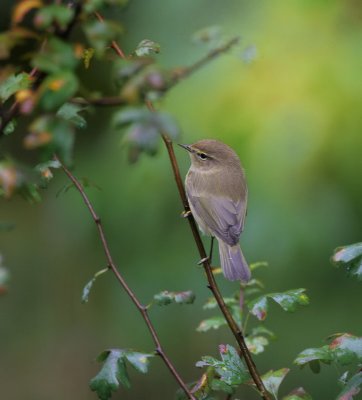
34, 140
22, 8
9, 177
56, 84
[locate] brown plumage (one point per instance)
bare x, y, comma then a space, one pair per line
217, 193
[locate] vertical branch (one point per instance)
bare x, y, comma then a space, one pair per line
111, 264
212, 285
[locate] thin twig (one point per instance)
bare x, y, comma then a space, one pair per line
196, 234
141, 308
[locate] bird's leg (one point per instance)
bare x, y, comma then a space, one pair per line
185, 214
211, 249
209, 257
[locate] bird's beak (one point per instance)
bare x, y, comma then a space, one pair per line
185, 146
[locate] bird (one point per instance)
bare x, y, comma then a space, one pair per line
217, 193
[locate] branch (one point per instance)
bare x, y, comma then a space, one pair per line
111, 264
177, 77
212, 285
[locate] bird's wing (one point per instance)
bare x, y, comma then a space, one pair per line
222, 216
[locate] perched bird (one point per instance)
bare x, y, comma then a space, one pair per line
217, 193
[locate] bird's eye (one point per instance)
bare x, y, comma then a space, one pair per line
203, 156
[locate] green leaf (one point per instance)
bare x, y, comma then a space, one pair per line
352, 388
87, 56
100, 34
52, 135
56, 89
112, 374
210, 34
54, 13
256, 344
57, 56
140, 361
314, 356
13, 84
346, 348
87, 288
287, 300
273, 379
147, 47
212, 303
44, 170
230, 369
114, 370
350, 258
219, 385
257, 265
211, 323
70, 112
298, 394
166, 297
10, 127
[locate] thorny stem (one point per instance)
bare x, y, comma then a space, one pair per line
141, 308
238, 334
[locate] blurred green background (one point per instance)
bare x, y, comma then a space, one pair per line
294, 117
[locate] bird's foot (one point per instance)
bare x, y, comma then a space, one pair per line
185, 214
203, 260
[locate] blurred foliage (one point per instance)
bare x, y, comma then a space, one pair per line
292, 113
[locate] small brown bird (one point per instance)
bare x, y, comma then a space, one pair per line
217, 193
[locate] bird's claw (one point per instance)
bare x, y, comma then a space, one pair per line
203, 260
185, 214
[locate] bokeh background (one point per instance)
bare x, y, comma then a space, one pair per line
294, 117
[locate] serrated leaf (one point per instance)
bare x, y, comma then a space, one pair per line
211, 323
112, 374
70, 112
13, 84
346, 348
140, 361
56, 89
314, 354
166, 297
53, 13
350, 258
230, 369
352, 388
273, 379
147, 47
256, 344
291, 299
259, 307
298, 394
288, 300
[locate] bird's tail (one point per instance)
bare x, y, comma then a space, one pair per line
233, 263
